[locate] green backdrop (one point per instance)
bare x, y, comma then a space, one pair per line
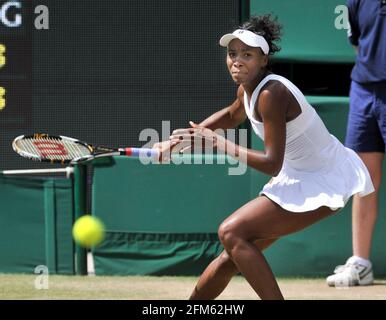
36, 217
309, 30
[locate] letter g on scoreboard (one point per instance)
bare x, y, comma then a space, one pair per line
10, 13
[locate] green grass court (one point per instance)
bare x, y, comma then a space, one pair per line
173, 288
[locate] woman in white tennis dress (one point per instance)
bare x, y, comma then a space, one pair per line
313, 173
317, 169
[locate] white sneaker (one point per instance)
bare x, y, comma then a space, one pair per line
351, 274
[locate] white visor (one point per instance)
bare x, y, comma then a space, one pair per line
248, 37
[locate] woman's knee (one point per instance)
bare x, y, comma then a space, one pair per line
227, 234
231, 234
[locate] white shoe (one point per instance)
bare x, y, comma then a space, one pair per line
351, 274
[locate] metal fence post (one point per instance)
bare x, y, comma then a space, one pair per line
80, 192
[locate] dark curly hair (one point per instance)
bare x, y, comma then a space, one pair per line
266, 26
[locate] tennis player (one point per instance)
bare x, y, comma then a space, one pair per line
314, 175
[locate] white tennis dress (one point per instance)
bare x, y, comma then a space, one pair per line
317, 170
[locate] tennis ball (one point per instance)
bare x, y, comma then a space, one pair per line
88, 231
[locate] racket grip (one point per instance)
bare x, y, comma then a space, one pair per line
141, 152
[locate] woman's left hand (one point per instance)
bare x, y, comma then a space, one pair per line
196, 134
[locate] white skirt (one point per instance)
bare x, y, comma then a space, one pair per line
300, 191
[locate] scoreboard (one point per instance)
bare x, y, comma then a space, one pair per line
15, 65
105, 70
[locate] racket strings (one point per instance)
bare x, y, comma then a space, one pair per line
53, 148
76, 149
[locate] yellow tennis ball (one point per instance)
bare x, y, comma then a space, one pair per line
88, 231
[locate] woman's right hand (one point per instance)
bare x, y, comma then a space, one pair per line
165, 149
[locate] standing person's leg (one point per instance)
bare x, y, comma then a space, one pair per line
261, 219
366, 135
365, 209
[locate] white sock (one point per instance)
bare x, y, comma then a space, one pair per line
364, 262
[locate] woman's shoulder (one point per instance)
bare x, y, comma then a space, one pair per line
274, 89
274, 97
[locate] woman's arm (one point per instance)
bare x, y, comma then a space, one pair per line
272, 107
229, 117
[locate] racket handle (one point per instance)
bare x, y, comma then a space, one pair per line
144, 152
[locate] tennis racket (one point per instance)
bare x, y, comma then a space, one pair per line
64, 150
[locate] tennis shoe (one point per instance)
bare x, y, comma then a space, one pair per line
351, 274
